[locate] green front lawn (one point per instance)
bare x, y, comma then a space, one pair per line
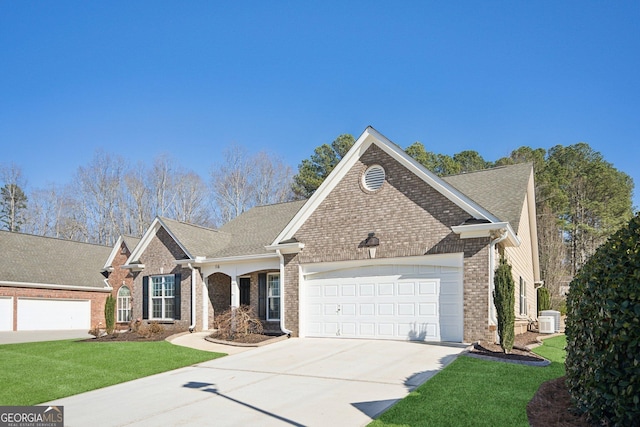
39, 372
476, 392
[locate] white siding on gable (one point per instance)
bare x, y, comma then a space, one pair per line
521, 260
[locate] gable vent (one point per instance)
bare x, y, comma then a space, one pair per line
373, 178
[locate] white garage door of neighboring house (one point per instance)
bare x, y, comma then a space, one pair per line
6, 314
402, 301
51, 314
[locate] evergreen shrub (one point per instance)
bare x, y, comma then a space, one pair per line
504, 299
603, 332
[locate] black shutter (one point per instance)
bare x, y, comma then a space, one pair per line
176, 308
262, 295
145, 297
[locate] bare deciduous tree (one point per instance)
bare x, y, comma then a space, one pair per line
13, 200
190, 199
242, 181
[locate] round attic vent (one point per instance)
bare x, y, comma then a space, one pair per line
373, 178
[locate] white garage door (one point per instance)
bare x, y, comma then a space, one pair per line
52, 314
408, 302
6, 314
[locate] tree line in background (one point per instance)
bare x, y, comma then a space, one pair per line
581, 198
109, 197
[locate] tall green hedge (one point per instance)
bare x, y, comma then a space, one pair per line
504, 299
110, 314
603, 331
544, 299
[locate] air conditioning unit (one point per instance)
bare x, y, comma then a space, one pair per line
546, 324
556, 318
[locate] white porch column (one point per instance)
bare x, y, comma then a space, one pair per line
235, 293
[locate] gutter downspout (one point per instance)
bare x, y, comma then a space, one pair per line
282, 294
193, 297
493, 318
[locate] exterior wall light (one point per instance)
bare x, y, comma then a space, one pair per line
372, 243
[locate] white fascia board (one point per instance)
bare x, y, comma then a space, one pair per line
371, 136
107, 288
330, 182
472, 231
148, 236
112, 255
225, 260
133, 267
286, 248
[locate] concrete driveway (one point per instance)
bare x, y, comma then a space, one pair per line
16, 337
299, 382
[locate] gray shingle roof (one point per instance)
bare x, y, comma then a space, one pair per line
248, 234
258, 227
131, 242
499, 190
197, 240
35, 259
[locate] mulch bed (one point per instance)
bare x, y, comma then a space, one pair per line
131, 337
551, 406
520, 352
244, 339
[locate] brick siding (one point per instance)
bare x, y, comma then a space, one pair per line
408, 216
120, 277
159, 259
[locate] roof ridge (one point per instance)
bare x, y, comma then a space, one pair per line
276, 204
164, 218
59, 239
489, 169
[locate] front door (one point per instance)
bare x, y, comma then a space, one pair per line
245, 295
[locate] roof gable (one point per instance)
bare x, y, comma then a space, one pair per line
369, 137
193, 240
130, 243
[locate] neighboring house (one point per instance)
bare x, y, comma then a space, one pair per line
48, 283
384, 249
121, 280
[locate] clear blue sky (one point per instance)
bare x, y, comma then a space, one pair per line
189, 78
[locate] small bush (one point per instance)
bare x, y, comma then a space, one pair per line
237, 322
544, 299
97, 330
155, 328
110, 314
603, 331
504, 298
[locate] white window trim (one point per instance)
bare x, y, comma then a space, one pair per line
127, 306
270, 297
163, 297
523, 297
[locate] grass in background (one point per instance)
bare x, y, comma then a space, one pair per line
39, 372
477, 392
